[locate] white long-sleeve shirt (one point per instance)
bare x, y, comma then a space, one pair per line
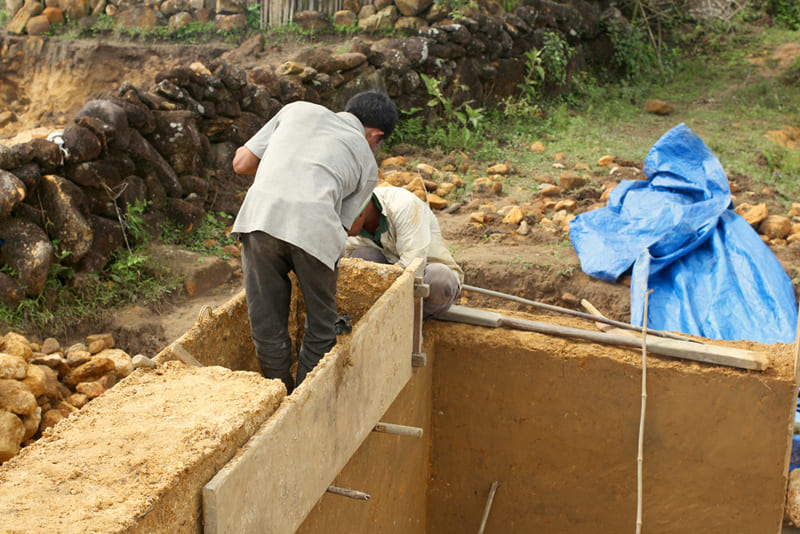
412, 231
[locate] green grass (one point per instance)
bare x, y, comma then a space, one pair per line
719, 92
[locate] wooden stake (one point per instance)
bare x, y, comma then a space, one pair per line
488, 506
344, 492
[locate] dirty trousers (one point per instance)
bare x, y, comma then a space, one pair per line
266, 262
443, 282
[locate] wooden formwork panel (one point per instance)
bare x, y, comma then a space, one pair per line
283, 471
556, 422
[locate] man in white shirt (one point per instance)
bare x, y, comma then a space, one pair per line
397, 227
314, 170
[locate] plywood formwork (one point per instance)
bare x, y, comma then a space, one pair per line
555, 420
392, 469
275, 480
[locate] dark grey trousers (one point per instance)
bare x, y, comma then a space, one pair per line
266, 262
443, 282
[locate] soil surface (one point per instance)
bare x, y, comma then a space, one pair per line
540, 266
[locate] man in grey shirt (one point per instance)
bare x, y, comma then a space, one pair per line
314, 171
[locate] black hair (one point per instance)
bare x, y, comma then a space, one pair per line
375, 110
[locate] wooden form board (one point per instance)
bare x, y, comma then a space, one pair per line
278, 477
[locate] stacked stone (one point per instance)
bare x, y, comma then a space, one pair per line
159, 147
40, 384
35, 18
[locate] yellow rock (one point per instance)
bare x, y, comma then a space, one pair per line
752, 214
436, 202
566, 204
445, 189
497, 187
396, 161
549, 190
514, 216
559, 156
430, 185
477, 217
416, 184
456, 180
605, 161
428, 171
400, 178
537, 147
581, 167
776, 227
657, 107
500, 168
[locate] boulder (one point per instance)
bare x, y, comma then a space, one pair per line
28, 251
67, 207
12, 432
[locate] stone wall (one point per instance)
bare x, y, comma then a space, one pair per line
171, 144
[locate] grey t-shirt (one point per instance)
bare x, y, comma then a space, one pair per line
316, 171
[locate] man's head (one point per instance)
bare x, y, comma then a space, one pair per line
376, 112
367, 217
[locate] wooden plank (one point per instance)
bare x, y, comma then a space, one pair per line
327, 417
686, 350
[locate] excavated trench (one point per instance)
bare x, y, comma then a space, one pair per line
552, 422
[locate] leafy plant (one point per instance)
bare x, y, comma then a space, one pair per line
410, 128
554, 58
785, 12
458, 8
210, 237
455, 124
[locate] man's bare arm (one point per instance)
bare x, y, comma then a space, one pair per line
244, 161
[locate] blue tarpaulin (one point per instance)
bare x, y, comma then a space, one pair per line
710, 273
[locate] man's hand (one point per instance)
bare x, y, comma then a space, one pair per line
244, 161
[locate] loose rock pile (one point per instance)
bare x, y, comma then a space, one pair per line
575, 188
40, 384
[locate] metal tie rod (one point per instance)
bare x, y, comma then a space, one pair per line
400, 430
351, 493
567, 311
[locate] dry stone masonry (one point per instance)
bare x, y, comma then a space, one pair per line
41, 384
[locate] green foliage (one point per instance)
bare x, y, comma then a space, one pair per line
458, 8
66, 299
410, 128
192, 33
785, 13
454, 126
253, 15
554, 58
133, 226
208, 238
637, 59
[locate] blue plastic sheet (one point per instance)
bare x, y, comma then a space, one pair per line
710, 273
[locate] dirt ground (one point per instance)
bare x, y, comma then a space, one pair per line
539, 266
